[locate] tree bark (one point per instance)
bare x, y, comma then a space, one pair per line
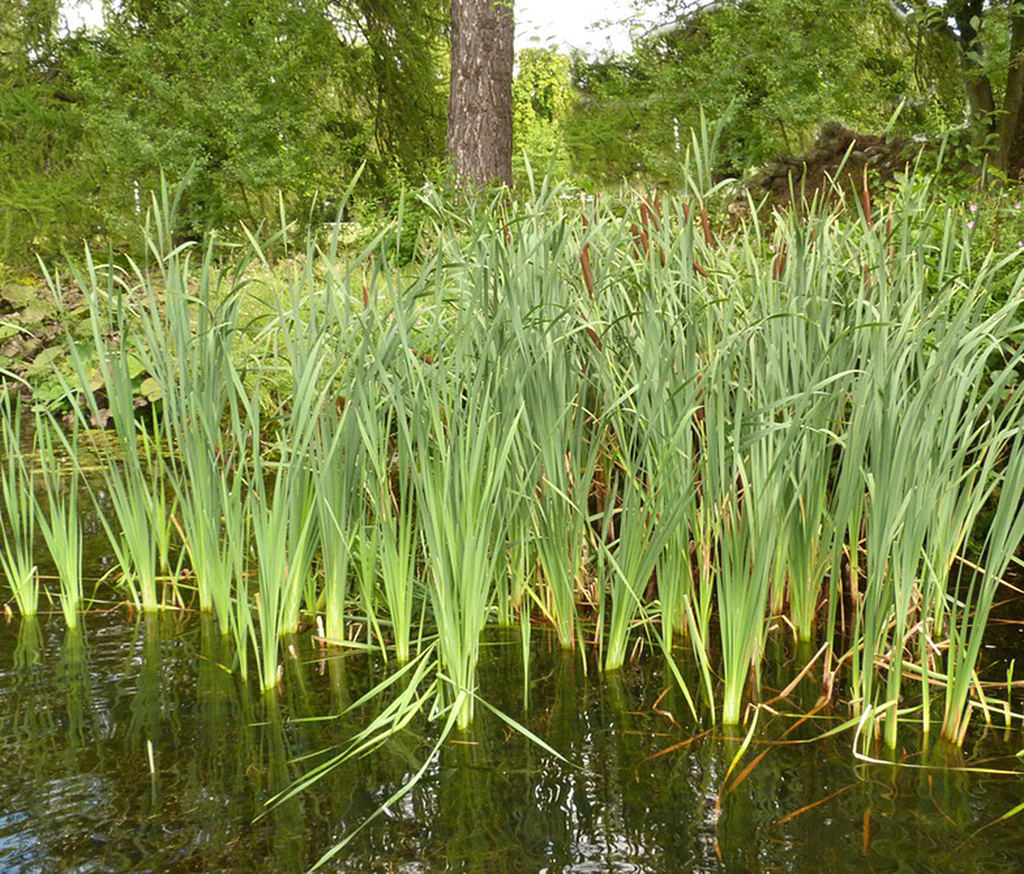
479, 142
1010, 154
980, 99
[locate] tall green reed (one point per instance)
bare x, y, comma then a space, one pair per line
336, 461
58, 516
17, 528
390, 493
649, 497
1000, 474
742, 451
282, 520
461, 443
134, 473
190, 323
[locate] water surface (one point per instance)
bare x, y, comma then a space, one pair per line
83, 715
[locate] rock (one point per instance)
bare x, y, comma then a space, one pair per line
819, 170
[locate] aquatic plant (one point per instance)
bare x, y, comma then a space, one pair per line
282, 536
58, 517
133, 473
189, 328
17, 529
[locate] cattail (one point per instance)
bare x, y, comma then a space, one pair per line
588, 277
709, 238
650, 216
779, 265
866, 198
641, 246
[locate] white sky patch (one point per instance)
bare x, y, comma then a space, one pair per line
568, 24
76, 14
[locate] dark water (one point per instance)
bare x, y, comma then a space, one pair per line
80, 712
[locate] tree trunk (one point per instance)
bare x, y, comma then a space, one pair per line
480, 100
1010, 154
981, 102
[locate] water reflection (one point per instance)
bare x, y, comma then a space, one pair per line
29, 647
81, 710
72, 676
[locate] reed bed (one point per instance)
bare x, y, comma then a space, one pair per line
608, 416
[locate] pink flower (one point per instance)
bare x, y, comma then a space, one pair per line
974, 207
970, 224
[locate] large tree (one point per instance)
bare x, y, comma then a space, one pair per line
479, 141
989, 36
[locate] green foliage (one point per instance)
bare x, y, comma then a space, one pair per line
256, 101
779, 68
541, 99
42, 191
397, 65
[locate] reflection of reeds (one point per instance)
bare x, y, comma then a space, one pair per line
28, 650
73, 673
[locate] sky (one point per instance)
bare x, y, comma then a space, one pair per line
538, 22
567, 23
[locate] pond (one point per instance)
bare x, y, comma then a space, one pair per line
129, 745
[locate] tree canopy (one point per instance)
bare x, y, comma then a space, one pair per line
780, 68
257, 96
288, 98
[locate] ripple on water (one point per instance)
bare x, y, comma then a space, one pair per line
78, 717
